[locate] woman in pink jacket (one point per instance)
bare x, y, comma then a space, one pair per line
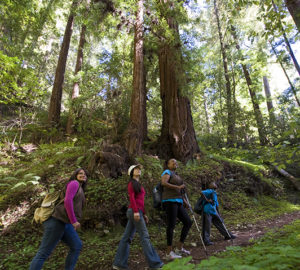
137, 220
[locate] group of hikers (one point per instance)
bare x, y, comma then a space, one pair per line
64, 222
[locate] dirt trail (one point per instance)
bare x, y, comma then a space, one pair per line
244, 234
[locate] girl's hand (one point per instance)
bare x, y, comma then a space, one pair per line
146, 219
136, 216
181, 186
76, 225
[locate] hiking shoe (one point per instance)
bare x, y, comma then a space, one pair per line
208, 243
172, 255
182, 252
232, 237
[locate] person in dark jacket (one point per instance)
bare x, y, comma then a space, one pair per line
211, 214
63, 223
137, 220
174, 205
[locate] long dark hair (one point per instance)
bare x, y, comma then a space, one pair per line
74, 177
137, 187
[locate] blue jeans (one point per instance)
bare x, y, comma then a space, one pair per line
121, 258
54, 231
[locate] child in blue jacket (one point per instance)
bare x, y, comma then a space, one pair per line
211, 215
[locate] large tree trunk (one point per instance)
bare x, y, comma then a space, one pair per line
286, 74
287, 43
75, 91
269, 101
230, 118
135, 133
55, 101
257, 113
178, 137
294, 8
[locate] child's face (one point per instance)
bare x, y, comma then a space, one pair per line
213, 185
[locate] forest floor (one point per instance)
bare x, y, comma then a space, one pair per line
245, 237
252, 198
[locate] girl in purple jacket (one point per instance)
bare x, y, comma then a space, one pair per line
63, 223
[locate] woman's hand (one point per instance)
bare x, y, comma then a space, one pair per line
76, 225
136, 216
146, 219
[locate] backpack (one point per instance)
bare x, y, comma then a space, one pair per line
157, 195
51, 200
198, 208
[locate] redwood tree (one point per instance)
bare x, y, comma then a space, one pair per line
135, 132
287, 43
294, 9
178, 137
257, 113
75, 91
230, 110
56, 96
269, 101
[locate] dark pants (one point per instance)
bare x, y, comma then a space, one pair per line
207, 219
54, 231
176, 210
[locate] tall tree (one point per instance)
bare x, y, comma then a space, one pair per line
255, 103
294, 9
56, 96
135, 133
75, 90
230, 110
269, 100
286, 74
178, 137
288, 45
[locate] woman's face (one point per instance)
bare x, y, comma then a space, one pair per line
137, 172
81, 176
172, 164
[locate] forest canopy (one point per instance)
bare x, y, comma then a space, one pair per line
169, 75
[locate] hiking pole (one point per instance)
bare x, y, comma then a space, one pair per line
226, 229
197, 226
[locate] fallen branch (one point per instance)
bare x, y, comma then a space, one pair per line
284, 173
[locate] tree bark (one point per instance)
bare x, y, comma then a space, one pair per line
286, 75
75, 91
230, 118
178, 138
56, 96
135, 132
294, 9
287, 43
258, 116
269, 101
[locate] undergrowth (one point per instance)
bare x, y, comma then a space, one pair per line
276, 250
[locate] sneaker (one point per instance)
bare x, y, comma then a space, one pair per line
232, 237
182, 251
172, 255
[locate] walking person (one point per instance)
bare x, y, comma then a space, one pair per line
173, 203
211, 214
63, 223
137, 220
